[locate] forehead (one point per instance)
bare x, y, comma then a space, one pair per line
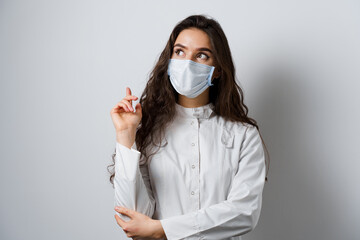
193, 38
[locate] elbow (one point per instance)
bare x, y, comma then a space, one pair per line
254, 210
248, 219
247, 224
253, 224
250, 224
253, 219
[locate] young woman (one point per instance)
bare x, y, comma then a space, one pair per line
189, 163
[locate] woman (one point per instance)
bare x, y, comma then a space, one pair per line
189, 163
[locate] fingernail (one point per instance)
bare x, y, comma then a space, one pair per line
117, 208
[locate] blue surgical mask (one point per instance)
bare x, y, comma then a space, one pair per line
189, 78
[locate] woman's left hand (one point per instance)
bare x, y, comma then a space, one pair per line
139, 225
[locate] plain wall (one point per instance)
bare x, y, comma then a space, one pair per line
65, 64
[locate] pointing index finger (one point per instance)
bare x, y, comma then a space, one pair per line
128, 91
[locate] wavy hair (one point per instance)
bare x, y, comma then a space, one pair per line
159, 97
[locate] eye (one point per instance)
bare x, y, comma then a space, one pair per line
179, 52
203, 56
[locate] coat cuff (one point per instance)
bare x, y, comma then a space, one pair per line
180, 226
126, 162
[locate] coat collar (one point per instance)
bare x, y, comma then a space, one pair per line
205, 111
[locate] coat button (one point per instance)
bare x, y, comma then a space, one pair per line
192, 193
193, 166
192, 144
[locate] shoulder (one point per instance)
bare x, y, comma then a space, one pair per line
237, 128
236, 132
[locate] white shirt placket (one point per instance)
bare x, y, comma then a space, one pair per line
194, 165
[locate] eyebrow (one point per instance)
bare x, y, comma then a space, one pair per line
198, 49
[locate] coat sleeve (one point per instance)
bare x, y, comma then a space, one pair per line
131, 182
240, 212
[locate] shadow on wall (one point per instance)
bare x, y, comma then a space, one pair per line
296, 200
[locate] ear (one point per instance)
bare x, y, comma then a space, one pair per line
217, 72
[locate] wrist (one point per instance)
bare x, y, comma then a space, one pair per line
158, 230
126, 137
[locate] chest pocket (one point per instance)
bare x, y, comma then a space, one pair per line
227, 138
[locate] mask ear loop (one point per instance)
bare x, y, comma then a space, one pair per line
210, 75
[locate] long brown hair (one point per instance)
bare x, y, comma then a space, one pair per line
159, 97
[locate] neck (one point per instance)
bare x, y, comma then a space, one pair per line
199, 101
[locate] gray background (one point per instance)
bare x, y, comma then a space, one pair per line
65, 64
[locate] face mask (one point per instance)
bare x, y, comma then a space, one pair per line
189, 78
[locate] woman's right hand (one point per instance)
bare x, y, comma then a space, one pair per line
125, 119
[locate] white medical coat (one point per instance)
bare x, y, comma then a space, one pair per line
206, 183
